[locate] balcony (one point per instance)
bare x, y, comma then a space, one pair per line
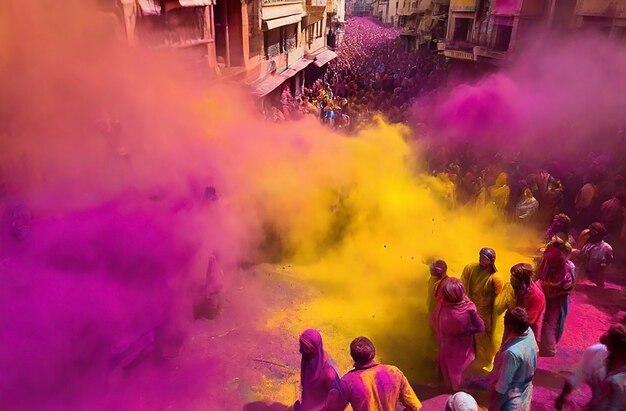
599, 8
279, 2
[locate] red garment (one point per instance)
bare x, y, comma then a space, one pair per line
534, 302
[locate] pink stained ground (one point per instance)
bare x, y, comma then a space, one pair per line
246, 357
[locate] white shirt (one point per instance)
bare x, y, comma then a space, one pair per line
591, 369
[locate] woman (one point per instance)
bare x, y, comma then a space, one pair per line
317, 373
456, 323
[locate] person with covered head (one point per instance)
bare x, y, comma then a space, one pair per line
456, 321
485, 287
596, 254
527, 206
317, 373
371, 386
515, 365
436, 282
557, 275
461, 401
528, 295
499, 192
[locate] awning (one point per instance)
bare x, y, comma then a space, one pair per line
324, 57
314, 14
265, 86
283, 21
293, 69
151, 7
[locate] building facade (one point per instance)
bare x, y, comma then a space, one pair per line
494, 31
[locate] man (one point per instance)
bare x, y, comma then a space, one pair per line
515, 365
612, 215
590, 370
596, 255
528, 295
613, 397
436, 282
483, 286
584, 202
371, 386
557, 275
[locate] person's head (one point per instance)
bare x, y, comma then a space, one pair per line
516, 320
362, 350
461, 401
597, 232
615, 341
528, 193
501, 180
562, 221
487, 258
311, 343
453, 291
521, 276
562, 245
438, 268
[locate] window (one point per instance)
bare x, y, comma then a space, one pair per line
461, 29
280, 40
503, 38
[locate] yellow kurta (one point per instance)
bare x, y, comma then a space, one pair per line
486, 291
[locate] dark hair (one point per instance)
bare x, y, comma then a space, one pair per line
563, 220
597, 232
362, 350
615, 340
522, 272
517, 319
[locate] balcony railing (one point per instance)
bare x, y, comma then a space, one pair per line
280, 1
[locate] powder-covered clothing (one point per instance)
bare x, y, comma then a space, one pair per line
484, 289
455, 327
613, 397
375, 387
591, 370
514, 369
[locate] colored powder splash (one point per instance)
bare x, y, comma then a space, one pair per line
560, 99
106, 228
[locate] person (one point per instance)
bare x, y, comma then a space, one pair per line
515, 365
461, 401
557, 275
584, 202
561, 227
612, 215
438, 279
590, 370
596, 255
317, 373
528, 294
500, 191
527, 206
371, 386
456, 321
483, 287
613, 389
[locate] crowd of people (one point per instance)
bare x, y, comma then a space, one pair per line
532, 304
373, 74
